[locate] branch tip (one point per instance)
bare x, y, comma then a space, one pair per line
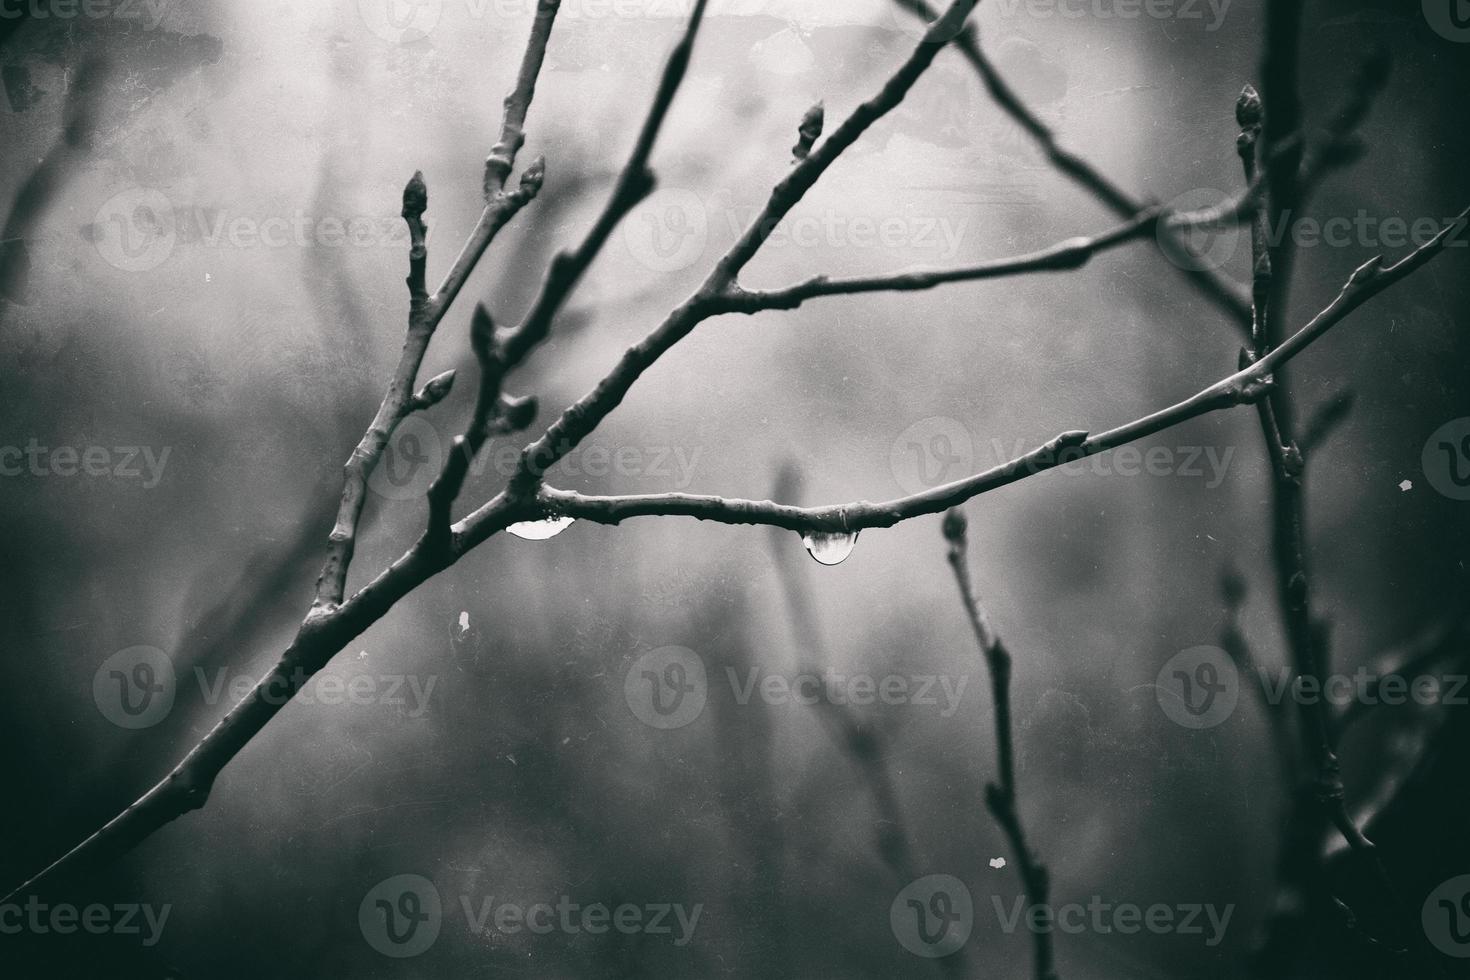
415, 197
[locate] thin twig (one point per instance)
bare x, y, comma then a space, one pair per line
1245, 386
1223, 291
1323, 802
425, 311
1000, 797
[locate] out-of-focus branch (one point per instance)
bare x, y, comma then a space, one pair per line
1223, 291
1000, 797
329, 624
1322, 802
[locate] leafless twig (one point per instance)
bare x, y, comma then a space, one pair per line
1000, 797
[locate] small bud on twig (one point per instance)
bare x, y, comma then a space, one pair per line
533, 177
955, 524
809, 131
482, 334
433, 392
1248, 109
514, 414
415, 197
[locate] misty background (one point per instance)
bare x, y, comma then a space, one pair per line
152, 301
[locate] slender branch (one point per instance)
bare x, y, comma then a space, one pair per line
635, 182
502, 158
1000, 797
1323, 802
426, 312
330, 623
1071, 254
579, 420
1444, 641
1219, 288
1245, 386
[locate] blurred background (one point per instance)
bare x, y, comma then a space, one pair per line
201, 299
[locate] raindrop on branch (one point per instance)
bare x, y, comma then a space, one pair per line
541, 530
829, 549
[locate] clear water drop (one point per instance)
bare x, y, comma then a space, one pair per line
541, 530
828, 548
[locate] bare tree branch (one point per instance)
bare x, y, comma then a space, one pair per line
1223, 291
578, 421
425, 311
1000, 797
333, 622
1245, 386
1321, 802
